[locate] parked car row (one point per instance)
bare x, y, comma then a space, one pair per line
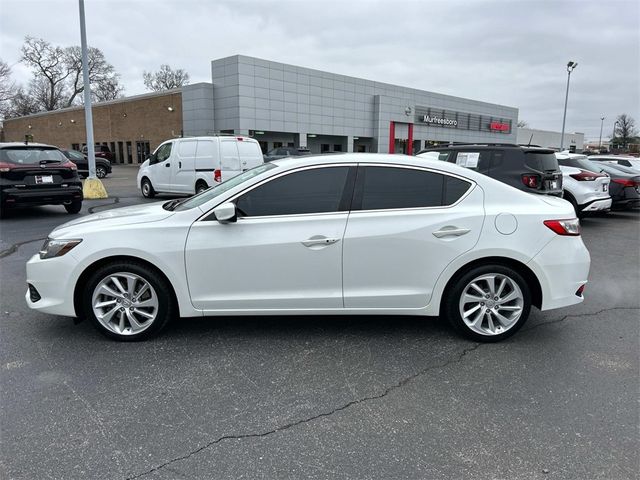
590, 184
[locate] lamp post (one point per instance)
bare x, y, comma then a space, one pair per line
570, 66
600, 141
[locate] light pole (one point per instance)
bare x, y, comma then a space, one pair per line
600, 141
570, 66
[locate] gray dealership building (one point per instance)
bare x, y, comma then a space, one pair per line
287, 105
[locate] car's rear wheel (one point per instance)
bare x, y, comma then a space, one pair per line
101, 171
147, 188
73, 207
201, 186
128, 301
488, 303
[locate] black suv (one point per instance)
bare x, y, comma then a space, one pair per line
36, 174
103, 166
532, 169
283, 152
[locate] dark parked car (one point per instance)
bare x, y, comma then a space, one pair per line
36, 174
625, 183
282, 152
101, 151
103, 166
625, 161
532, 169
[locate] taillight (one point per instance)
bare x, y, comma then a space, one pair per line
5, 167
586, 176
625, 182
531, 181
217, 176
569, 227
69, 164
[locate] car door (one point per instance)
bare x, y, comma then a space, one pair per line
283, 252
183, 175
160, 171
406, 225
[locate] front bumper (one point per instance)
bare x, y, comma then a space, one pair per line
53, 281
41, 196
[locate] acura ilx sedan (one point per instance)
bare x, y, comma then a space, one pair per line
351, 234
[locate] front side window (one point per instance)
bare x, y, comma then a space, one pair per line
316, 190
381, 188
164, 151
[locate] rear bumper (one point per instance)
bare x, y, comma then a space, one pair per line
40, 196
597, 205
562, 267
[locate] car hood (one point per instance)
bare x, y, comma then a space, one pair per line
112, 218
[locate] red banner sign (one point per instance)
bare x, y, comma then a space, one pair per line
499, 126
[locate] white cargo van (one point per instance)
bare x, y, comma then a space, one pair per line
190, 165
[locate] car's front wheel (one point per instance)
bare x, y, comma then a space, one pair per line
147, 188
488, 303
128, 301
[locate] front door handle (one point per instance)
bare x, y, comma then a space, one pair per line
167, 164
449, 230
319, 241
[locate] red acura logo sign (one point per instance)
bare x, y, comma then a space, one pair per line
499, 126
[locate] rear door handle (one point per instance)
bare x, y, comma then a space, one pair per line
179, 164
319, 240
446, 231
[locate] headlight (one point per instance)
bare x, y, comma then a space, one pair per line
56, 248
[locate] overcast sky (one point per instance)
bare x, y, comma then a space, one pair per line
508, 52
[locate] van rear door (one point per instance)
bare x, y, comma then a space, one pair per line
183, 177
229, 158
250, 153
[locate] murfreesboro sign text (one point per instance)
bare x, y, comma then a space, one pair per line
439, 117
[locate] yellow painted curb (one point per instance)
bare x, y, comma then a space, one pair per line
93, 189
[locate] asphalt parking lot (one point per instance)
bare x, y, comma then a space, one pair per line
322, 397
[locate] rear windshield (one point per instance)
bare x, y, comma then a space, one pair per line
542, 162
29, 155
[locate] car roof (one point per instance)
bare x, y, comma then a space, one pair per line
486, 146
22, 144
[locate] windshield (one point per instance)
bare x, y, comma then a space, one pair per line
28, 155
212, 193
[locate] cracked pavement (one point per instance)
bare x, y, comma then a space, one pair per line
322, 397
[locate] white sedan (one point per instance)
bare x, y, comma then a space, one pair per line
349, 234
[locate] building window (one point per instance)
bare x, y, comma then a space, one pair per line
277, 144
75, 146
129, 153
325, 147
264, 146
143, 150
120, 157
291, 144
337, 148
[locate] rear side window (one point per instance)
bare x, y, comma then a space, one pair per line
317, 190
478, 161
542, 162
249, 150
389, 187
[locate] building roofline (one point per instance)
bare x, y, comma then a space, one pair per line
132, 98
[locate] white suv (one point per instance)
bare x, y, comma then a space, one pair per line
586, 191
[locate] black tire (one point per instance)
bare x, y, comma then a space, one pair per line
451, 302
101, 171
147, 188
201, 186
73, 207
569, 198
166, 303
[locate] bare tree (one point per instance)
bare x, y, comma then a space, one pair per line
624, 130
7, 85
57, 74
19, 105
165, 78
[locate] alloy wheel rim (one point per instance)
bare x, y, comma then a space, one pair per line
125, 303
145, 188
491, 304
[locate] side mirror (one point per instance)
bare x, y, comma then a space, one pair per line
225, 213
152, 159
